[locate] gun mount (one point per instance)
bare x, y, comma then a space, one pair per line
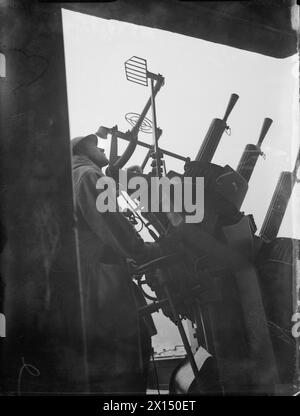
207, 272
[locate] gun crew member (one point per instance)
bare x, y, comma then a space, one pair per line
118, 342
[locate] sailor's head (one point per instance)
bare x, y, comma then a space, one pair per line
88, 146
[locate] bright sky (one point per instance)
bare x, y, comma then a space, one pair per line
199, 79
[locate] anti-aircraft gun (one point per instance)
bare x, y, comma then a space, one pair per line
206, 273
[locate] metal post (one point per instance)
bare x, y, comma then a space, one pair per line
155, 138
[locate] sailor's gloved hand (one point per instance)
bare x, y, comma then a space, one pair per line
166, 245
171, 243
132, 267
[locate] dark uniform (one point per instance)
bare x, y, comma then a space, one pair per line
118, 342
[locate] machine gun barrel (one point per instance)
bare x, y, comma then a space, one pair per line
215, 132
279, 203
252, 152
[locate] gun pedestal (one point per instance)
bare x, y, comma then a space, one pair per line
228, 299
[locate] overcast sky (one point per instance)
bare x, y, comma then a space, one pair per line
199, 76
